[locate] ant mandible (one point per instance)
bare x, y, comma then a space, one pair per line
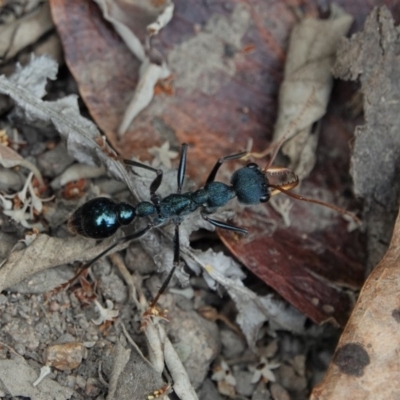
101, 217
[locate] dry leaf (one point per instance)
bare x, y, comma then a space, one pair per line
10, 158
366, 362
24, 31
307, 85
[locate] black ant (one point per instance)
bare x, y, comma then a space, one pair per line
102, 217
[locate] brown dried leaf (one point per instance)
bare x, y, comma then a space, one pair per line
46, 252
366, 362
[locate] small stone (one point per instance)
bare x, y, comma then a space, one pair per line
92, 387
65, 356
54, 306
196, 341
232, 345
208, 391
278, 392
55, 161
243, 382
261, 392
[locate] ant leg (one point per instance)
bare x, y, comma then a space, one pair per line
135, 235
171, 273
182, 167
157, 180
218, 164
224, 225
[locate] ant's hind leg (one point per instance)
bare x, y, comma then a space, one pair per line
135, 235
218, 164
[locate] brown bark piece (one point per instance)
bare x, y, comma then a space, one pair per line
366, 364
372, 57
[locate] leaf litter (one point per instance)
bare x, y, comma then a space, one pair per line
92, 151
82, 140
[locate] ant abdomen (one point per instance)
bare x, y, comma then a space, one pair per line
251, 185
101, 217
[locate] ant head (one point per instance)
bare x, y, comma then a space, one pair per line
251, 185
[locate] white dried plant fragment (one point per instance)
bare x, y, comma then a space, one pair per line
32, 23
162, 20
182, 386
105, 313
264, 371
305, 91
30, 201
150, 72
130, 39
162, 155
76, 172
9, 158
44, 371
224, 373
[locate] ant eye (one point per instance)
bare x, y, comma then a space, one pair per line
252, 166
264, 198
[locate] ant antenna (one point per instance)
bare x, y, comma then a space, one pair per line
274, 147
341, 211
285, 187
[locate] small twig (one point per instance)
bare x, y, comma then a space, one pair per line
117, 260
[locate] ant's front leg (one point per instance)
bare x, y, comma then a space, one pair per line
218, 164
223, 225
182, 167
175, 264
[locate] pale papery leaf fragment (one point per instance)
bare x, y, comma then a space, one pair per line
9, 158
306, 88
25, 30
110, 13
